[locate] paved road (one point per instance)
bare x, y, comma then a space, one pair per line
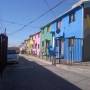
35, 75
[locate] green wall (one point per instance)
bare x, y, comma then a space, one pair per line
45, 35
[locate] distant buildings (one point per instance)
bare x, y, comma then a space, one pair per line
32, 45
69, 35
36, 44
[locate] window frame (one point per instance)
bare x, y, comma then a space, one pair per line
48, 28
72, 17
42, 43
58, 26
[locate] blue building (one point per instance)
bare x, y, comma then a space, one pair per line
71, 33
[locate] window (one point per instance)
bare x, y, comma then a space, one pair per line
71, 17
71, 41
43, 31
58, 26
38, 35
62, 48
42, 43
35, 45
38, 46
12, 52
48, 29
57, 42
87, 12
47, 43
87, 18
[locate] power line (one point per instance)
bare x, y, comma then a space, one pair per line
13, 22
37, 18
10, 22
46, 2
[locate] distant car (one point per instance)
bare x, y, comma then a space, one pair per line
12, 56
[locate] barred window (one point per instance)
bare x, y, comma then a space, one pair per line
72, 17
58, 26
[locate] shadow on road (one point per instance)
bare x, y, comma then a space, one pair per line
28, 75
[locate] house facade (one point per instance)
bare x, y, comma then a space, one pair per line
36, 44
46, 39
27, 46
30, 44
70, 33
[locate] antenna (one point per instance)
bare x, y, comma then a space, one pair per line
5, 31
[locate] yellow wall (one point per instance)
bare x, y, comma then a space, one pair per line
87, 22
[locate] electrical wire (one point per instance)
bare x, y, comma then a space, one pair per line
13, 22
37, 18
10, 22
46, 2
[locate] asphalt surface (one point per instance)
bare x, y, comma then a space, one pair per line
30, 75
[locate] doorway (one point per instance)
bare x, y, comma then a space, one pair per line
59, 45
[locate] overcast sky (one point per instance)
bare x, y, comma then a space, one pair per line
16, 13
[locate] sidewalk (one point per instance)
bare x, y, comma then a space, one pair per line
81, 69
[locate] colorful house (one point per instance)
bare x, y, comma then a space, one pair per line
71, 33
46, 39
27, 46
36, 44
30, 44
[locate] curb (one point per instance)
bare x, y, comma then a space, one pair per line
63, 66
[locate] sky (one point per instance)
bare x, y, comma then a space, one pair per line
14, 14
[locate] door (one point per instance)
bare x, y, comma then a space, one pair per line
71, 44
46, 48
62, 48
59, 48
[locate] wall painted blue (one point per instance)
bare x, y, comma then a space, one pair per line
75, 51
74, 29
52, 30
53, 27
71, 29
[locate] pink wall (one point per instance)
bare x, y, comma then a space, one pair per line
36, 39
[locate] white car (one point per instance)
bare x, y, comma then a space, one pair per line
12, 56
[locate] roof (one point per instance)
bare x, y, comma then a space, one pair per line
34, 34
78, 4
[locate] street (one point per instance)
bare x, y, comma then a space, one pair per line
31, 74
45, 45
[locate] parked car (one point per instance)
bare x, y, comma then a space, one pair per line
12, 56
